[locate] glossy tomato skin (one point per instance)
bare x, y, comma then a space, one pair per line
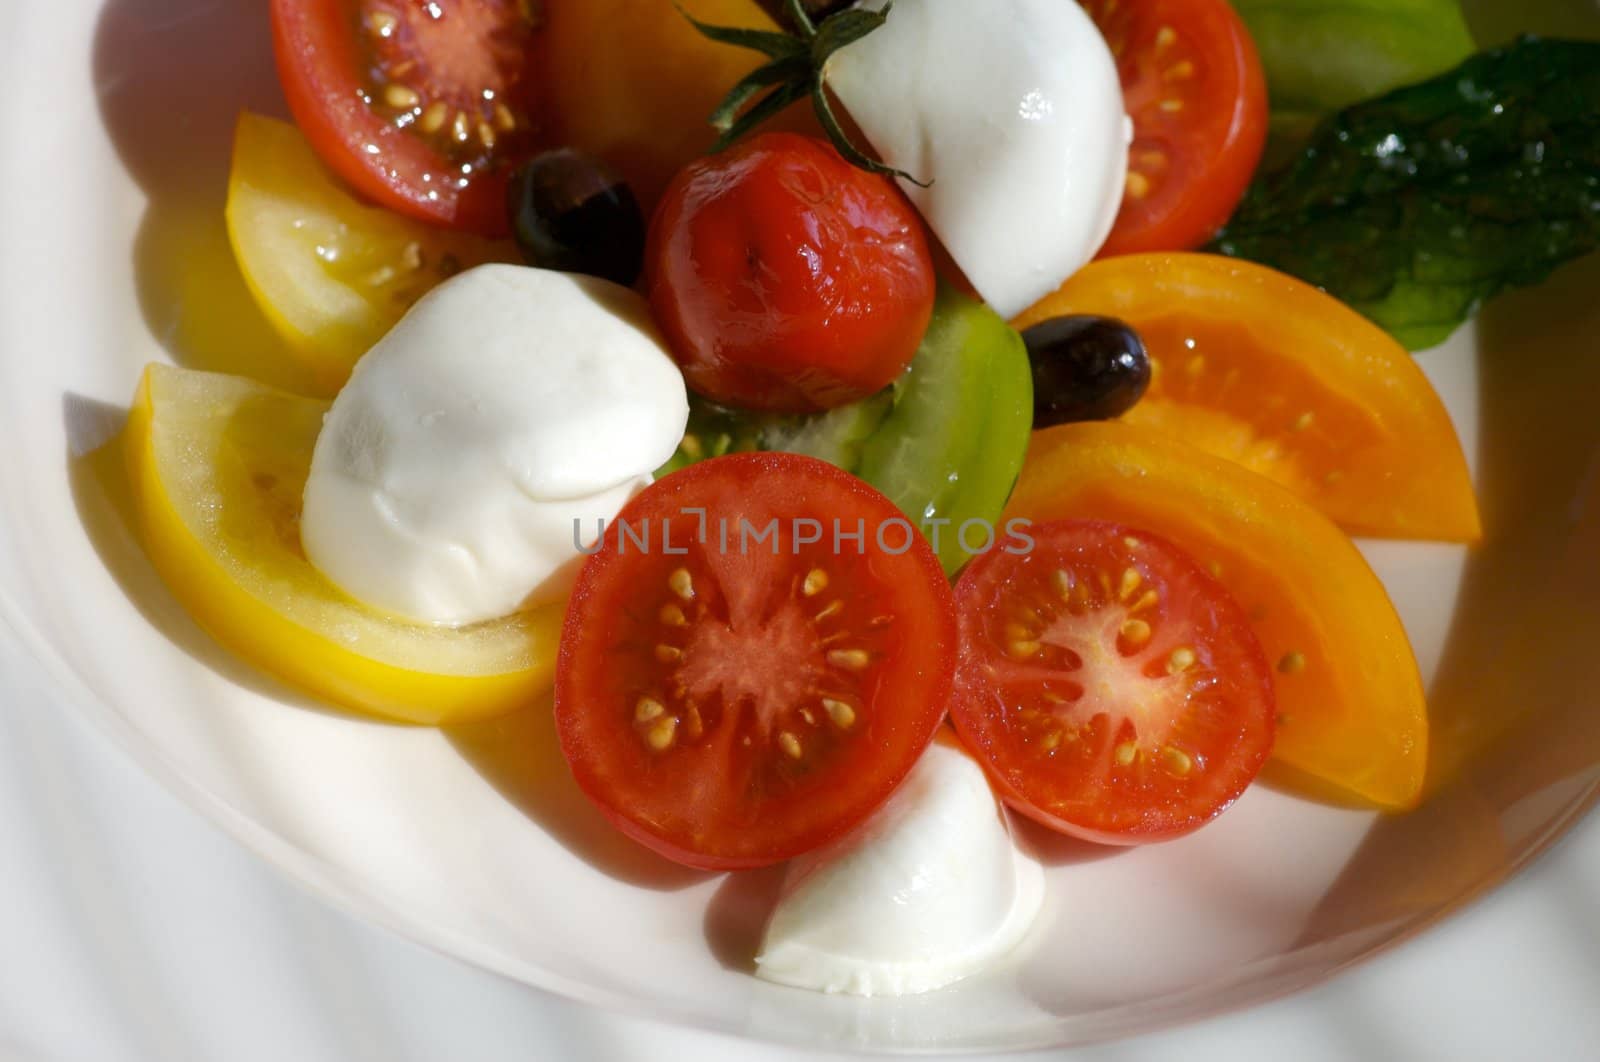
732, 707
323, 50
787, 280
1113, 689
1194, 85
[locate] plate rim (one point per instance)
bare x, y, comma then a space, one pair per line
356, 899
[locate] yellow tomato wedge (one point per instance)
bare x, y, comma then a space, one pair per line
330, 272
218, 464
634, 83
1350, 699
1267, 371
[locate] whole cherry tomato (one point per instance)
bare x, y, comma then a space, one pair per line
787, 280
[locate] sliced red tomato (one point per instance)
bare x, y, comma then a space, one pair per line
1351, 707
422, 107
753, 660
1193, 83
1113, 688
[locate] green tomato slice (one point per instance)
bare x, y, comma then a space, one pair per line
945, 443
1321, 55
836, 436
951, 449
985, 485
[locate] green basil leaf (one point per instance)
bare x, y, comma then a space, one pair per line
1417, 206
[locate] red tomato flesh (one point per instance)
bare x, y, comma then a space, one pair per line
1113, 689
422, 105
786, 279
1193, 83
736, 704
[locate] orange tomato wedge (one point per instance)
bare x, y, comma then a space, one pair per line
1269, 372
1350, 699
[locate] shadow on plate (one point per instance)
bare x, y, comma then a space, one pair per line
97, 473
520, 755
171, 77
737, 916
1054, 849
1515, 732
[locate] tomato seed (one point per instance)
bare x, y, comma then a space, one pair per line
1136, 631
1016, 632
382, 23
400, 97
842, 714
661, 735
1177, 761
849, 659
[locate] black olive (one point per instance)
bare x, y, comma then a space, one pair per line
573, 213
1085, 368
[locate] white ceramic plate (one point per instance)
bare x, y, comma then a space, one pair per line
476, 842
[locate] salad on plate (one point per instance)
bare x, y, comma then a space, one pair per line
881, 425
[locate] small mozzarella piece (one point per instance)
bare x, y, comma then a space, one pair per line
928, 891
1013, 109
509, 409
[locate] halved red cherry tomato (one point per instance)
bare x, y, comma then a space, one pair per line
787, 280
1193, 83
422, 107
1114, 690
753, 660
